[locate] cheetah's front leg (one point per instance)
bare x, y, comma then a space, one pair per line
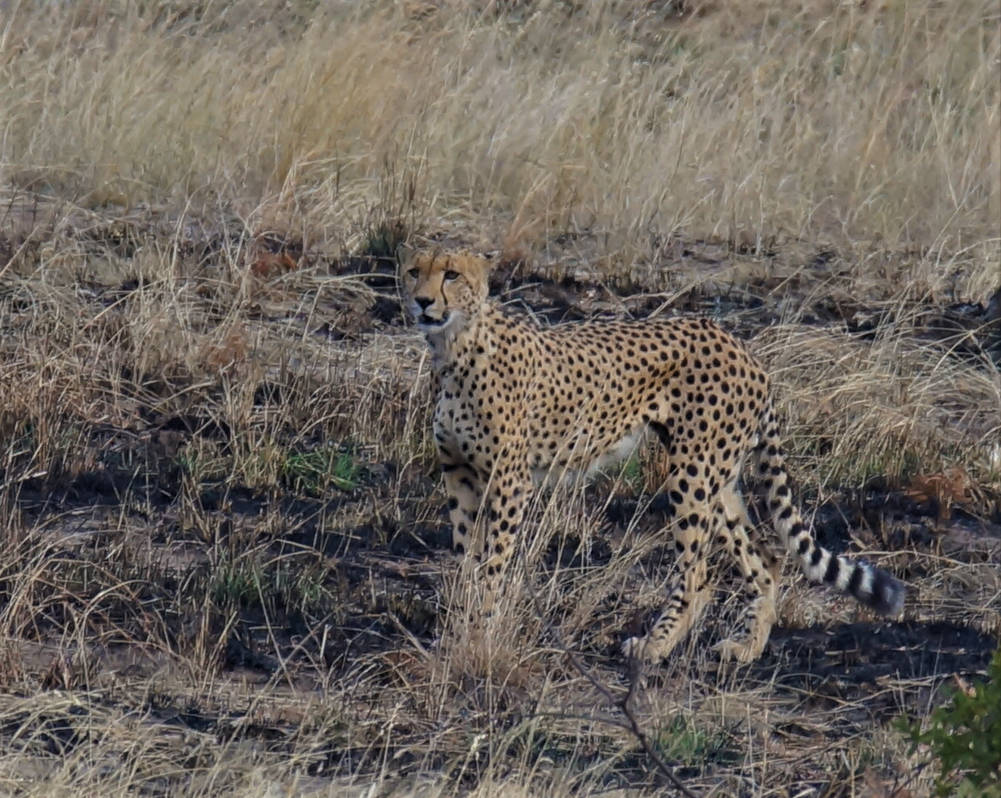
689, 592
465, 492
508, 491
485, 517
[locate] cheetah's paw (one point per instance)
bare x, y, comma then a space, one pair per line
641, 649
741, 651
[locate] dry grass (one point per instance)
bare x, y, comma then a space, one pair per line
223, 569
842, 125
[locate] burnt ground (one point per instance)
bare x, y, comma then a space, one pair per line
131, 550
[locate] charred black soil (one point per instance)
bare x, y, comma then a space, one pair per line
239, 515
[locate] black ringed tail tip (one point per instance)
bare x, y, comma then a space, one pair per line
887, 596
876, 589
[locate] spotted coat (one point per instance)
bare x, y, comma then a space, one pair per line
517, 402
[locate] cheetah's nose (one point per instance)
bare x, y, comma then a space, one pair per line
423, 301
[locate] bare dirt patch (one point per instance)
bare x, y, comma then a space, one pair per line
223, 528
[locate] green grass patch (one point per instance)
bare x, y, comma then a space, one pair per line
284, 585
687, 744
316, 471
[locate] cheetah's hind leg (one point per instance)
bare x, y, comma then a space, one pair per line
759, 567
689, 592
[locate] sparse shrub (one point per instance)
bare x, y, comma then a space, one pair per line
383, 238
965, 737
396, 215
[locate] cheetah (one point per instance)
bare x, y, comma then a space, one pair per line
516, 400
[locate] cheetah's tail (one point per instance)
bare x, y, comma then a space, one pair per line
871, 586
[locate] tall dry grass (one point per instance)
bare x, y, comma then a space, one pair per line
194, 602
891, 408
862, 126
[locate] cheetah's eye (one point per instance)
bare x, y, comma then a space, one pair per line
451, 275
414, 272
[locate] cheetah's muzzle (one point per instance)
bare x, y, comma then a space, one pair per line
424, 320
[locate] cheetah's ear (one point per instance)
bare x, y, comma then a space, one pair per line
405, 256
479, 268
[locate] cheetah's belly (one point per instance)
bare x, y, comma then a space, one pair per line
580, 454
621, 450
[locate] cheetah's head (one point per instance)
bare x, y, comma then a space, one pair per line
443, 289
